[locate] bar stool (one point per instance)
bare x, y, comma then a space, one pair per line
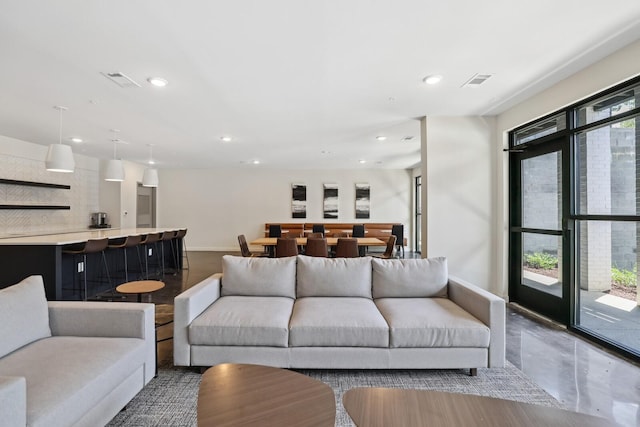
167, 236
89, 247
152, 238
180, 238
128, 242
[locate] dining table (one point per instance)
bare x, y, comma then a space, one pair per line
331, 241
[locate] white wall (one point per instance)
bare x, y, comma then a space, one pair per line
218, 205
616, 68
460, 218
24, 161
119, 199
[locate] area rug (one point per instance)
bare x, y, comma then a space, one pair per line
170, 399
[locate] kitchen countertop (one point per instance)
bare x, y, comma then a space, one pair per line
81, 236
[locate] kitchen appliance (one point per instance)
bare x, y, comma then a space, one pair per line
99, 220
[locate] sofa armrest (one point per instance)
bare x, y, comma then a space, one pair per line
13, 401
107, 319
187, 306
486, 307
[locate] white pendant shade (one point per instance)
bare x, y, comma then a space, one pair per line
115, 171
150, 178
60, 158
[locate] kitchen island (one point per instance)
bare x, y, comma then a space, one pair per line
43, 254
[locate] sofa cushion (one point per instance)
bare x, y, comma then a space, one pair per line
252, 321
431, 322
24, 314
337, 322
68, 376
266, 277
334, 277
410, 278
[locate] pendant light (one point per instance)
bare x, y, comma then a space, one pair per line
150, 176
60, 157
115, 168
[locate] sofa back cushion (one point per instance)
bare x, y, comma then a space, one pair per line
410, 278
264, 277
334, 277
24, 314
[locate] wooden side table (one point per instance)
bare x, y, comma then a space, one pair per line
235, 394
140, 287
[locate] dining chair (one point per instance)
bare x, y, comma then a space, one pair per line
275, 230
316, 247
315, 236
286, 247
358, 231
347, 248
318, 228
332, 248
244, 248
391, 246
398, 231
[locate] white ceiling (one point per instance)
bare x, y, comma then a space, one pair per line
296, 83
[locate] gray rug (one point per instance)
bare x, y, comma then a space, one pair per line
171, 398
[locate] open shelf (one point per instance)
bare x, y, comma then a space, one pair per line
41, 207
34, 184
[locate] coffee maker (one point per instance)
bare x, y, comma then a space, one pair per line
99, 220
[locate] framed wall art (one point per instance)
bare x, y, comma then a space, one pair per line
298, 200
330, 201
363, 201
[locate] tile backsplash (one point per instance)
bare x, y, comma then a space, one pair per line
83, 198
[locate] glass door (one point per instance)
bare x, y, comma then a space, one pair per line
608, 221
539, 235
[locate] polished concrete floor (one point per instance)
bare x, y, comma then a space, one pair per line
584, 377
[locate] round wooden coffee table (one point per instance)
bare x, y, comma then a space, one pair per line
140, 287
236, 394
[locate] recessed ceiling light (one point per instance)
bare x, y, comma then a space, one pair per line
381, 138
432, 79
362, 161
157, 81
226, 138
76, 139
151, 162
256, 162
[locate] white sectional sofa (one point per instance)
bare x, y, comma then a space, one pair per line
338, 313
68, 363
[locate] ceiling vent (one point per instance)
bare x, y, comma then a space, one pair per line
121, 79
477, 80
407, 138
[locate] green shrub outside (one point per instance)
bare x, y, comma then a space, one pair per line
541, 260
624, 277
